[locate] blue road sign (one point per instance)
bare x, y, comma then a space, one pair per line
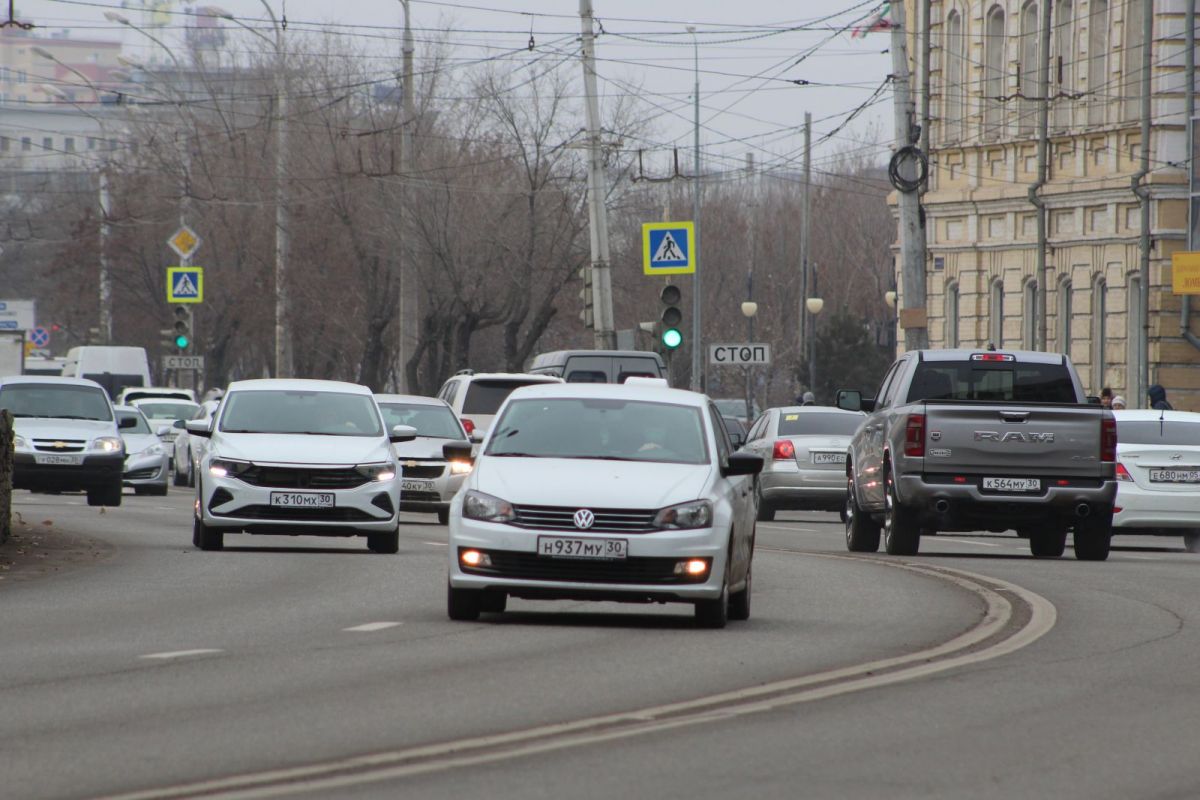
39, 337
185, 284
668, 248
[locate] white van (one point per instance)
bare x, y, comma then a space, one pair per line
114, 368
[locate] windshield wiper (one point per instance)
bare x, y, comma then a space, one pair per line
516, 455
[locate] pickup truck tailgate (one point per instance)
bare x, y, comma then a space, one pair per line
1037, 439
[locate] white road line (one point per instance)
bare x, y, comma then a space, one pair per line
182, 653
438, 544
787, 527
367, 627
967, 541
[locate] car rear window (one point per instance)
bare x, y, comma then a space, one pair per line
818, 424
992, 382
168, 410
1168, 432
434, 422
485, 396
139, 427
56, 401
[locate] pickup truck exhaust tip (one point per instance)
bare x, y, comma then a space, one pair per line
1082, 510
941, 506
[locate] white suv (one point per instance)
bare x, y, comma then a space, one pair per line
475, 397
298, 457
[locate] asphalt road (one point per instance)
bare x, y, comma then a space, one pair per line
283, 667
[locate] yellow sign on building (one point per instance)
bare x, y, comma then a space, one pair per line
1185, 273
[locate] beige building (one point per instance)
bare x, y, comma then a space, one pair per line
980, 224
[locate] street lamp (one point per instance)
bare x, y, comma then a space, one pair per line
889, 297
814, 306
749, 309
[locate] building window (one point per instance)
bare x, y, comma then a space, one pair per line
996, 308
1133, 342
91, 143
47, 143
4, 144
69, 144
951, 335
993, 72
1097, 61
1131, 73
1064, 47
1099, 343
1029, 315
1064, 316
955, 60
26, 144
1030, 74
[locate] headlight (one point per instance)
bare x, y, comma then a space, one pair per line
696, 514
19, 442
459, 467
108, 444
222, 467
377, 472
153, 450
477, 505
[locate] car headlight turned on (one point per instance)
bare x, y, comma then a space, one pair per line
377, 472
224, 467
459, 467
694, 514
485, 507
108, 444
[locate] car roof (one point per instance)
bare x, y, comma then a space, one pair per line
297, 385
414, 399
532, 377
161, 400
814, 410
10, 380
1153, 415
129, 410
622, 391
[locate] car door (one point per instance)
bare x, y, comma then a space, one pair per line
868, 460
738, 491
757, 441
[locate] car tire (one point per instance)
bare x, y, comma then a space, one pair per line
443, 516
739, 602
385, 543
191, 473
493, 602
179, 479
715, 613
1047, 543
105, 495
463, 605
207, 538
901, 534
1093, 538
1191, 542
862, 532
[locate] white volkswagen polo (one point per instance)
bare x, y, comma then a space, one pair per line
298, 457
605, 492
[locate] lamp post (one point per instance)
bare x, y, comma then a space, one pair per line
749, 309
813, 305
697, 362
889, 297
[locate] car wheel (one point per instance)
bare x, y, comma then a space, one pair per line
739, 602
207, 538
1191, 542
191, 473
463, 605
385, 543
765, 512
493, 602
443, 516
105, 495
1093, 538
179, 479
901, 536
1047, 543
862, 532
715, 613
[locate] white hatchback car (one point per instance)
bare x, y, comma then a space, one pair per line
605, 492
476, 397
428, 479
298, 457
1158, 474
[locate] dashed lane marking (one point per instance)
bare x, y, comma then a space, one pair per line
203, 651
438, 544
367, 627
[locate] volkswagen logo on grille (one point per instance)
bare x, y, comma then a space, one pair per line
584, 519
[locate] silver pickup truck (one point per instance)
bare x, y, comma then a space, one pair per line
963, 440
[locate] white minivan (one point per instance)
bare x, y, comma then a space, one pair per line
114, 368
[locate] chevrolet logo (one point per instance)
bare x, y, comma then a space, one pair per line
60, 445
410, 463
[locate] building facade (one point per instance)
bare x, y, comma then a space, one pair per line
981, 226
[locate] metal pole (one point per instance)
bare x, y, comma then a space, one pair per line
1043, 147
926, 49
1144, 197
106, 309
602, 305
697, 344
283, 344
407, 304
804, 212
812, 340
750, 332
1193, 168
912, 232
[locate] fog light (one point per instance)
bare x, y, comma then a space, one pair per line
474, 558
460, 467
692, 567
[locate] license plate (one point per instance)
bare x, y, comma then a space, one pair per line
302, 499
416, 486
1013, 484
1175, 476
571, 547
829, 458
58, 459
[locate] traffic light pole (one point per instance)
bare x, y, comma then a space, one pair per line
602, 303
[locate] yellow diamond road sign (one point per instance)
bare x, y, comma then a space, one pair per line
184, 241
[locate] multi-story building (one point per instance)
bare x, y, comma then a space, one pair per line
981, 224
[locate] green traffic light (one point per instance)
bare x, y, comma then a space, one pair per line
182, 342
672, 338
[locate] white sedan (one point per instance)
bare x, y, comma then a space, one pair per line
605, 492
1158, 474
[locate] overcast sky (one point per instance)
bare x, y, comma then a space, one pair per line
749, 50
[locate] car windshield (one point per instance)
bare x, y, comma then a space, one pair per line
434, 422
60, 401
139, 427
818, 424
485, 396
300, 411
608, 428
168, 410
1175, 433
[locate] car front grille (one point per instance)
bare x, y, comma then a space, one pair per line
59, 445
280, 514
303, 477
531, 566
419, 497
608, 520
420, 471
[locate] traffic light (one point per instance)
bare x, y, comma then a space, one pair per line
183, 327
671, 337
585, 294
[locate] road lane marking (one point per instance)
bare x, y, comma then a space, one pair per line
788, 527
966, 541
183, 653
997, 633
367, 627
438, 544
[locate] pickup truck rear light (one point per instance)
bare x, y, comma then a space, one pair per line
1108, 439
993, 357
469, 425
784, 449
914, 436
1122, 473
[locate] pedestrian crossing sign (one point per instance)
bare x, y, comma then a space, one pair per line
185, 284
668, 248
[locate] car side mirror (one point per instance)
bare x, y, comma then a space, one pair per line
458, 451
179, 423
163, 430
199, 427
742, 464
476, 436
127, 422
852, 400
402, 433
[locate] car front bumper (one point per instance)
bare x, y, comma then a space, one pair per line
232, 505
94, 471
145, 470
429, 494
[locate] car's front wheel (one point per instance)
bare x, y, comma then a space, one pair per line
463, 605
1191, 542
715, 613
386, 543
443, 515
105, 495
206, 537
